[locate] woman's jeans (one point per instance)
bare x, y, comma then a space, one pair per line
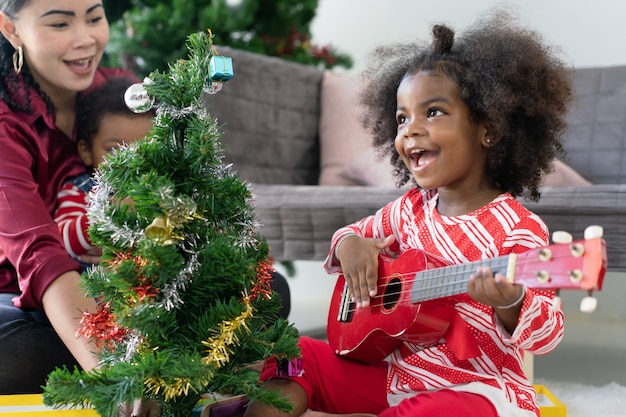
29, 349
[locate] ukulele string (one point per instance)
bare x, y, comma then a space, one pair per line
457, 278
426, 283
425, 288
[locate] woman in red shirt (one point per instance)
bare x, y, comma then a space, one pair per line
49, 55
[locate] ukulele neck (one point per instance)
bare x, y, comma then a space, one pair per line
452, 280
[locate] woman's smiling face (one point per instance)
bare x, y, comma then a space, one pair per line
436, 138
63, 42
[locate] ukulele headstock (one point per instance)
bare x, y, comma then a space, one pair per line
566, 264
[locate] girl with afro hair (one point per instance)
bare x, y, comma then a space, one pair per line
473, 122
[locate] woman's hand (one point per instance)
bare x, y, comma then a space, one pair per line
92, 257
140, 408
358, 258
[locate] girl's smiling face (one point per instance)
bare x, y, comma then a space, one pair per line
63, 42
436, 138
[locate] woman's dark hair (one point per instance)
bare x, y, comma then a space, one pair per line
506, 76
107, 98
12, 91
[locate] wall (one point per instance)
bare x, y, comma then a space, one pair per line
589, 33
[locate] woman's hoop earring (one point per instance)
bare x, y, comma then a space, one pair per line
18, 60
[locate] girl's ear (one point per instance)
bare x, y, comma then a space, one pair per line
488, 142
7, 27
488, 139
84, 151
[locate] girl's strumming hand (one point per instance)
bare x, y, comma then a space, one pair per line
358, 258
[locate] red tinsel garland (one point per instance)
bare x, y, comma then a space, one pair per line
264, 276
101, 327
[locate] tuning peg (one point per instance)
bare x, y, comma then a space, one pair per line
594, 231
589, 303
562, 237
556, 301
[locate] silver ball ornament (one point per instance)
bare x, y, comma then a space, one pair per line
213, 87
137, 99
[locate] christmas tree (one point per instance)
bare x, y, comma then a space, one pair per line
185, 305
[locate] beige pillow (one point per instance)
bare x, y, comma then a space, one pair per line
341, 135
564, 176
368, 169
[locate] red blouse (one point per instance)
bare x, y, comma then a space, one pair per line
35, 160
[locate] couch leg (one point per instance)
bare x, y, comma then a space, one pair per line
528, 366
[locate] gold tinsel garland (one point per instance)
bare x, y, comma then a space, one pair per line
174, 388
218, 354
220, 346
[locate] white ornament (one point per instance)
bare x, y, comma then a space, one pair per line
137, 99
213, 87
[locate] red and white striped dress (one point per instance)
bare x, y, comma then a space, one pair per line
502, 227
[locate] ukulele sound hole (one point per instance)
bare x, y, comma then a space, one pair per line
392, 293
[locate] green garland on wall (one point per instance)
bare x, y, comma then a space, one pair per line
148, 34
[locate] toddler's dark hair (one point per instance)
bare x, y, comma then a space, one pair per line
107, 98
506, 77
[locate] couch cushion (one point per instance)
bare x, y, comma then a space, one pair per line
342, 138
596, 135
367, 168
269, 113
564, 176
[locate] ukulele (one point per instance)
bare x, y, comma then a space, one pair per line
416, 282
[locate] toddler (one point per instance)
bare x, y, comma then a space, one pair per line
104, 123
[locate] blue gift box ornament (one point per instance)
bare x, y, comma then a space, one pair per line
220, 68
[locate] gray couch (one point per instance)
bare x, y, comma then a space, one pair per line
270, 112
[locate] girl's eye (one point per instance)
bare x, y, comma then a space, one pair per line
400, 119
58, 25
434, 112
96, 19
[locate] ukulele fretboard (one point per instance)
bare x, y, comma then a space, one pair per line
432, 284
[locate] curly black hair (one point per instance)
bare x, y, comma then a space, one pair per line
107, 98
506, 76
